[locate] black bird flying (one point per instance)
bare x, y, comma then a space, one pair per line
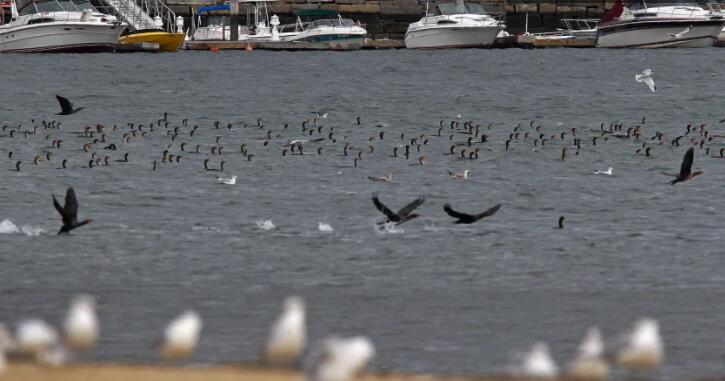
66, 106
69, 212
463, 218
686, 168
404, 214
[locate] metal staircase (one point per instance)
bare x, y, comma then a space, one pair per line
144, 14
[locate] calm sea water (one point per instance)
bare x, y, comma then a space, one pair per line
433, 296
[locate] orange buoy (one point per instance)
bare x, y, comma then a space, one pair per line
248, 48
214, 49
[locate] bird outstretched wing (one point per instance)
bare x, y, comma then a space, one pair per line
404, 211
447, 208
686, 167
71, 204
651, 83
491, 211
66, 106
382, 208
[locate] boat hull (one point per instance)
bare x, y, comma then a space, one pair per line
656, 34
452, 37
60, 37
168, 42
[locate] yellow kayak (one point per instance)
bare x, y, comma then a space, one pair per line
168, 42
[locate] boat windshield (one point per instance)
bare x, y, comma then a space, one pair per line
660, 4
457, 9
56, 6
332, 23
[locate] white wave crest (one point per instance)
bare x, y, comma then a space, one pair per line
8, 227
31, 231
325, 228
265, 224
390, 228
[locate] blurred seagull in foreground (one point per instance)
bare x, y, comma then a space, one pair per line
34, 337
589, 364
7, 343
81, 323
340, 359
646, 77
287, 338
680, 34
181, 336
537, 363
608, 172
644, 349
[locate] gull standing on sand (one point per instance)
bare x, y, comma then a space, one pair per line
589, 364
341, 359
644, 349
646, 77
287, 338
537, 363
35, 336
181, 336
608, 172
81, 323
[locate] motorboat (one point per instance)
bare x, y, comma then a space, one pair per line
323, 26
260, 26
58, 26
459, 25
573, 33
658, 25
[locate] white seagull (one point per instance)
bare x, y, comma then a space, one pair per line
181, 336
644, 349
459, 175
35, 336
81, 323
589, 364
537, 363
608, 172
646, 77
682, 33
227, 180
287, 337
341, 359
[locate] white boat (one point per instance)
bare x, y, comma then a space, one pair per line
323, 26
658, 25
58, 26
261, 27
458, 25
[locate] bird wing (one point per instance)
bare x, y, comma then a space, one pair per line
647, 72
71, 204
411, 207
383, 209
651, 83
59, 208
65, 104
686, 167
490, 212
454, 214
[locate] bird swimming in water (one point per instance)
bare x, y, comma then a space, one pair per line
287, 338
66, 106
382, 179
608, 172
686, 168
403, 215
459, 175
463, 218
227, 180
69, 212
561, 222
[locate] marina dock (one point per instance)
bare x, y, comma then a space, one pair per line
291, 46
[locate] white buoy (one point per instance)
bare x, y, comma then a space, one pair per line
287, 338
81, 323
181, 336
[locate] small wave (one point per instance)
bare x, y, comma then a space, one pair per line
31, 231
8, 227
325, 228
390, 228
265, 224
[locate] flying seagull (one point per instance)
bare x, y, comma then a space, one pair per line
66, 106
403, 215
686, 168
464, 218
69, 212
646, 77
682, 33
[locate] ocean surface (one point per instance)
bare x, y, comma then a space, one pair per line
431, 295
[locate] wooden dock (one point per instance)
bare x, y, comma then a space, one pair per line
292, 46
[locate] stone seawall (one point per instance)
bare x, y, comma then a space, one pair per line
390, 18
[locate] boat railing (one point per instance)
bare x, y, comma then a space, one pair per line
300, 25
579, 24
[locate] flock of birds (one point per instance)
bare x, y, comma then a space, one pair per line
464, 140
332, 359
